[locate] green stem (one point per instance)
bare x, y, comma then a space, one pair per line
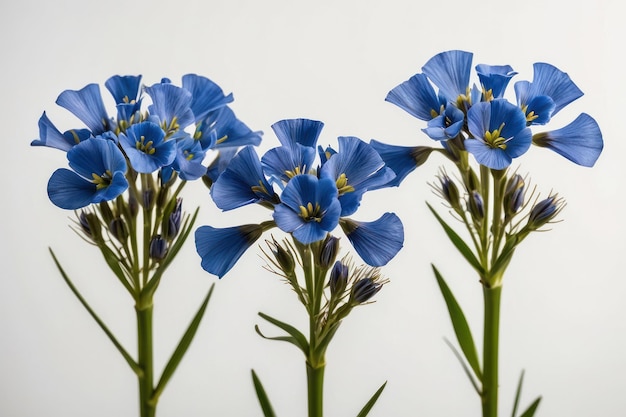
145, 360
315, 386
490, 351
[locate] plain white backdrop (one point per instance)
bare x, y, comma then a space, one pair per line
564, 310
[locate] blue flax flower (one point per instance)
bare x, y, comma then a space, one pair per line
447, 125
242, 182
302, 131
356, 168
146, 147
580, 141
417, 97
309, 208
87, 105
376, 242
126, 92
220, 249
99, 175
450, 72
50, 136
171, 106
401, 159
499, 133
206, 95
494, 79
188, 160
550, 91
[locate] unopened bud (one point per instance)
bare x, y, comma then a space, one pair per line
364, 289
158, 248
328, 252
338, 278
118, 229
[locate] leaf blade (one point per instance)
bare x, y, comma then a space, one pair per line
370, 404
264, 400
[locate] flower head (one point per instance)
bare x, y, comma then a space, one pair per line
146, 147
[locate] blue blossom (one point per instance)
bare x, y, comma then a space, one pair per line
450, 72
171, 106
302, 131
146, 147
401, 159
356, 168
222, 129
550, 91
376, 242
417, 97
494, 79
284, 162
206, 95
220, 249
98, 175
447, 125
189, 158
580, 141
242, 182
126, 92
309, 208
499, 133
87, 105
50, 136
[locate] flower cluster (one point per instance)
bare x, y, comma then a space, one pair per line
319, 189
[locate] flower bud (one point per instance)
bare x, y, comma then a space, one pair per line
476, 206
328, 252
513, 195
158, 248
364, 289
284, 258
118, 229
173, 224
338, 278
148, 197
544, 211
450, 192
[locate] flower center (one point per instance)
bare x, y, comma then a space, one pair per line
144, 146
102, 181
342, 184
494, 139
311, 213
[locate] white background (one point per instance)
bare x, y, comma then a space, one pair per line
563, 317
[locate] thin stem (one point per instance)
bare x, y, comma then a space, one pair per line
145, 360
490, 350
315, 385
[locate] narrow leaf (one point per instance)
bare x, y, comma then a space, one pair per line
372, 401
459, 323
530, 411
134, 366
467, 370
459, 243
182, 347
114, 264
296, 338
518, 394
266, 406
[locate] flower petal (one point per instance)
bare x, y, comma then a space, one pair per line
376, 242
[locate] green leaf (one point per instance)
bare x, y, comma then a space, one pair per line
182, 347
134, 366
459, 323
467, 370
266, 406
114, 264
530, 411
365, 410
459, 243
296, 338
518, 393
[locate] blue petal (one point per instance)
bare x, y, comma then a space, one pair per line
417, 97
207, 96
486, 155
70, 191
495, 78
580, 141
242, 182
220, 249
401, 159
87, 105
302, 131
376, 242
229, 130
447, 125
189, 158
450, 72
124, 89
50, 136
285, 161
96, 156
171, 103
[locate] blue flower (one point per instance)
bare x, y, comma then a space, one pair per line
146, 147
499, 133
220, 249
242, 182
550, 91
189, 158
99, 167
450, 72
376, 242
401, 159
171, 105
284, 162
580, 141
222, 129
302, 131
417, 97
494, 79
206, 95
126, 92
356, 168
50, 136
447, 125
87, 105
309, 208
